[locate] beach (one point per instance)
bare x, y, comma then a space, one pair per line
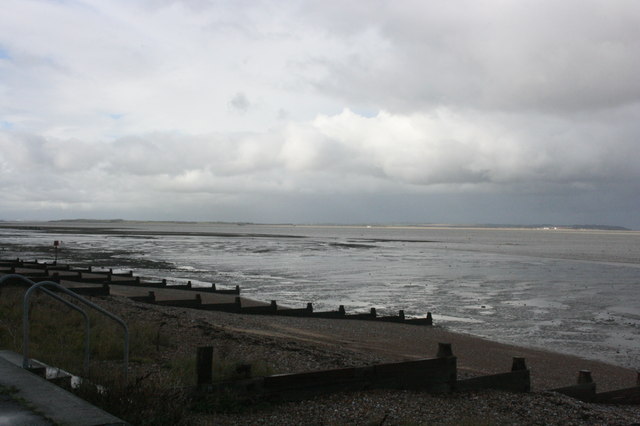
290, 345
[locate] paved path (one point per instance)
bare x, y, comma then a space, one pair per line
28, 399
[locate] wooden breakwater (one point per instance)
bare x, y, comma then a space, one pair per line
585, 390
434, 375
99, 281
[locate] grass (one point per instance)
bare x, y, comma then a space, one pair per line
163, 396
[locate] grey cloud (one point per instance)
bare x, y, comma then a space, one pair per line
539, 56
240, 102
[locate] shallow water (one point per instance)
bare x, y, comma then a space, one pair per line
571, 291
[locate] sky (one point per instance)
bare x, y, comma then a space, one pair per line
363, 111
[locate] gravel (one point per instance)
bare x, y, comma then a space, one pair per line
289, 345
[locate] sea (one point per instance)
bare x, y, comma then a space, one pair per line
565, 290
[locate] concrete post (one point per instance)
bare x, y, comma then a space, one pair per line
204, 367
444, 350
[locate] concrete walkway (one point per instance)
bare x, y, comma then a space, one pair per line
27, 399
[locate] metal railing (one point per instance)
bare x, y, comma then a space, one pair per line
41, 286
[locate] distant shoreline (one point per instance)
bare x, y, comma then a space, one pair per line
546, 227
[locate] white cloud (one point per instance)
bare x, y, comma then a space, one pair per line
118, 105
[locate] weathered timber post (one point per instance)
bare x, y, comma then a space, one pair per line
274, 305
341, 310
137, 280
188, 284
310, 310
204, 369
584, 377
238, 302
401, 314
213, 286
164, 282
237, 289
373, 312
444, 350
518, 364
243, 371
429, 319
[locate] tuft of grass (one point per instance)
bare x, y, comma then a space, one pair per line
164, 397
143, 401
56, 333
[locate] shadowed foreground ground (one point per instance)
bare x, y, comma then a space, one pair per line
304, 344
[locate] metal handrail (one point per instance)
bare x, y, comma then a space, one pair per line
87, 325
25, 316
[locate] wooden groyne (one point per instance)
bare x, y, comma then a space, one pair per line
433, 375
100, 281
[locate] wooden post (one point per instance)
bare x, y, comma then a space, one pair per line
204, 368
584, 376
429, 319
444, 350
401, 314
518, 364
